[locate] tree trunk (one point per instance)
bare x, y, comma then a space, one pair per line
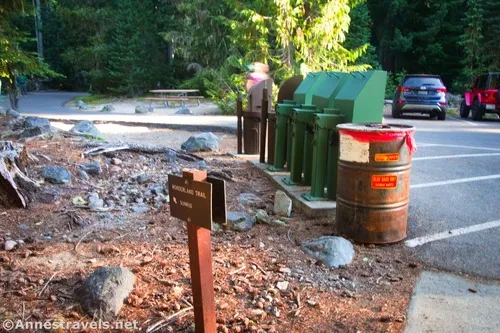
16, 189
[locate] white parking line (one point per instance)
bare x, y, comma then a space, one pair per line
452, 233
466, 121
455, 181
455, 146
424, 158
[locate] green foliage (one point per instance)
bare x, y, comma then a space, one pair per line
393, 81
130, 46
15, 59
96, 99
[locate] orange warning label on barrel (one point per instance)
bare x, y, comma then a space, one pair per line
384, 181
394, 157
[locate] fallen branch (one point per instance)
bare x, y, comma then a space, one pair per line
238, 270
260, 268
164, 322
99, 148
46, 284
76, 245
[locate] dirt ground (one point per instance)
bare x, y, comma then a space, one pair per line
64, 243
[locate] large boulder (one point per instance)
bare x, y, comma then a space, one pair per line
183, 110
331, 250
13, 113
81, 105
56, 174
240, 221
282, 204
35, 126
141, 108
30, 122
35, 131
108, 108
201, 142
104, 292
91, 168
86, 127
251, 200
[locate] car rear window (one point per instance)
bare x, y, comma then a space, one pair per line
422, 81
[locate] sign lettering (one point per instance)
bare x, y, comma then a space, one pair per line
393, 157
191, 201
384, 181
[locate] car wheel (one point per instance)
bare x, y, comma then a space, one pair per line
464, 110
395, 113
442, 115
477, 113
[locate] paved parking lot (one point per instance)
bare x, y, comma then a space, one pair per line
454, 214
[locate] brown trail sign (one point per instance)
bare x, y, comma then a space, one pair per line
191, 201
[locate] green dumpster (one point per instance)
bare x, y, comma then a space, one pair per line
284, 112
301, 153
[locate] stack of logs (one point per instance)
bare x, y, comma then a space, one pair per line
16, 188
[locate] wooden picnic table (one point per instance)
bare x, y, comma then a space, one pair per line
173, 91
174, 95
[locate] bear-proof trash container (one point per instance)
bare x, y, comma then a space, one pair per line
374, 181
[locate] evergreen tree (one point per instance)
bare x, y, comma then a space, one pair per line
492, 34
471, 42
15, 59
360, 34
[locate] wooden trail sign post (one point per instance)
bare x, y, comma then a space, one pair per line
191, 201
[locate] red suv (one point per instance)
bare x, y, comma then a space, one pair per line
483, 98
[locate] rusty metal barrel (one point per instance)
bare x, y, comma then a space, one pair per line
373, 183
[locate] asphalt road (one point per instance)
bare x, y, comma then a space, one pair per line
50, 105
454, 217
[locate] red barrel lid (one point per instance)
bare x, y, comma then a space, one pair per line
376, 127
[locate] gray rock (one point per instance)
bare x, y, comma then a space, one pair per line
10, 245
23, 226
142, 178
86, 127
202, 165
170, 156
48, 196
104, 292
251, 200
35, 131
331, 250
116, 161
201, 142
13, 113
3, 112
183, 110
262, 217
240, 221
139, 208
107, 108
30, 122
91, 168
141, 108
94, 201
282, 204
56, 174
158, 190
81, 105
216, 227
82, 174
